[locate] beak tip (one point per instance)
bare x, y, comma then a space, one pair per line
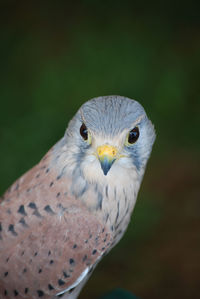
105, 171
106, 165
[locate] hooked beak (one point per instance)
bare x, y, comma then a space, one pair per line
107, 156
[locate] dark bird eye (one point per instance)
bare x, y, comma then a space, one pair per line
133, 135
84, 131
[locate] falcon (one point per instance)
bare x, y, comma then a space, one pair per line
61, 217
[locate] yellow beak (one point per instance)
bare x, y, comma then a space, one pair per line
107, 155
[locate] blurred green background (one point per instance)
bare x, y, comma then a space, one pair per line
54, 55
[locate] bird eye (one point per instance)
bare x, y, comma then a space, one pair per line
84, 131
133, 135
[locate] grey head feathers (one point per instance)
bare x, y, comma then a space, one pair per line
110, 116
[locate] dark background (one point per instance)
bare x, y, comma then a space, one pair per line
54, 55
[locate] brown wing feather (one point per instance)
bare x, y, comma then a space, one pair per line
47, 237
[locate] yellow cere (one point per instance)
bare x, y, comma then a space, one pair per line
106, 150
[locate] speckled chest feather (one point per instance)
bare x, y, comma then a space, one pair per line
47, 237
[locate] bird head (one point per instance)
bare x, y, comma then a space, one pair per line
109, 135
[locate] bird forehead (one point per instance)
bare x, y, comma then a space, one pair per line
110, 115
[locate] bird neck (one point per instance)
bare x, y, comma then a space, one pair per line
111, 198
